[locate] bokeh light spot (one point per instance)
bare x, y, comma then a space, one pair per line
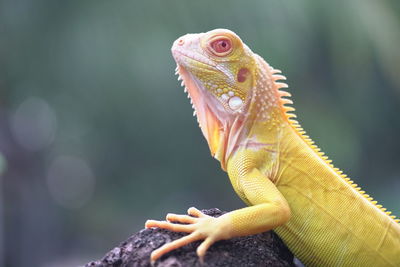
34, 124
70, 181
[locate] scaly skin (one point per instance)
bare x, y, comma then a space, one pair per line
289, 185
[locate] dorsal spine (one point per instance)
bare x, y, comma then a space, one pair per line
288, 110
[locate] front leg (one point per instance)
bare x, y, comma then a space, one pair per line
199, 227
269, 210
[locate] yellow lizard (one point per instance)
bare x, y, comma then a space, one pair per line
289, 185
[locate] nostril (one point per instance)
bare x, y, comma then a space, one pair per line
181, 42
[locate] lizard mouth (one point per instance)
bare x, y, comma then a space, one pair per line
202, 102
232, 103
179, 53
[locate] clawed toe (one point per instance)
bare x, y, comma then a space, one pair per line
195, 212
198, 225
150, 223
180, 218
173, 245
185, 228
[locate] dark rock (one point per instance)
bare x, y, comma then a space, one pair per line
265, 249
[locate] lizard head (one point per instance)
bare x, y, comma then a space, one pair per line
218, 70
219, 63
234, 92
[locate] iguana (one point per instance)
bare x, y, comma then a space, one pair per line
275, 168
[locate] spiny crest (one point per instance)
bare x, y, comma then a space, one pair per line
285, 104
187, 92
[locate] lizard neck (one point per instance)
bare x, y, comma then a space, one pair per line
267, 113
263, 119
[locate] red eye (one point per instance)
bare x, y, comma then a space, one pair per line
221, 46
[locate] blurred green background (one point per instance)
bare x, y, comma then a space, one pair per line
98, 136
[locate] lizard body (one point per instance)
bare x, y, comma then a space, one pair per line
289, 185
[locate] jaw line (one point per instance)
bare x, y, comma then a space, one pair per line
178, 53
210, 119
221, 129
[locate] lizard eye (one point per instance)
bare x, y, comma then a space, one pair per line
221, 46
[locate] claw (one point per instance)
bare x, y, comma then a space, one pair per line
202, 249
180, 218
156, 254
195, 212
185, 228
150, 223
198, 225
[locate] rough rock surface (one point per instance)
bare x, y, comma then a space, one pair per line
264, 249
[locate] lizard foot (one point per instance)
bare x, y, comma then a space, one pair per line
199, 227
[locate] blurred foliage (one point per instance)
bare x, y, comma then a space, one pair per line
99, 136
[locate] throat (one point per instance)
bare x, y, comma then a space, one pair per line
227, 140
221, 129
